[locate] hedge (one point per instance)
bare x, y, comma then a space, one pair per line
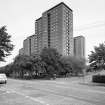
98, 78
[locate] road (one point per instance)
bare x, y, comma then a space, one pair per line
51, 92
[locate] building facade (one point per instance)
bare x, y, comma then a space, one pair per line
33, 45
55, 29
38, 33
21, 51
27, 46
30, 46
79, 46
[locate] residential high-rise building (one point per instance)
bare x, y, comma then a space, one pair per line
21, 51
79, 46
55, 29
30, 46
38, 33
33, 45
27, 46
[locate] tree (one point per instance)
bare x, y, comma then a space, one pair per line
39, 66
24, 65
51, 57
65, 63
97, 57
73, 64
5, 43
29, 66
78, 65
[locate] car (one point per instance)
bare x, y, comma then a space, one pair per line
3, 78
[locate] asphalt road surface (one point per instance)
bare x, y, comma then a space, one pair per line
51, 92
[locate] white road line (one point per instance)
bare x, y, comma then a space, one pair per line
72, 96
26, 96
66, 97
52, 92
48, 90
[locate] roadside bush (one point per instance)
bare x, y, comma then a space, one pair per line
98, 78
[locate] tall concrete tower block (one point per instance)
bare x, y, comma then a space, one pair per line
30, 45
27, 46
38, 33
79, 46
57, 29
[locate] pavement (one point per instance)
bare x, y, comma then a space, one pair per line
62, 91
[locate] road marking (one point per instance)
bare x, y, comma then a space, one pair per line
26, 96
51, 92
54, 92
80, 99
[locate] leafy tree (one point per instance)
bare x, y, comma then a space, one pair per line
8, 69
73, 64
61, 65
39, 66
5, 43
65, 63
51, 57
97, 57
24, 65
29, 65
78, 65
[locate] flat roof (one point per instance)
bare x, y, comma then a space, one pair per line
79, 36
55, 7
29, 37
32, 35
59, 5
38, 18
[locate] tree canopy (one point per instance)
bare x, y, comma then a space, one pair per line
48, 64
73, 64
97, 57
5, 43
51, 57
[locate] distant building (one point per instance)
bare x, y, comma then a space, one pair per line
33, 45
55, 29
30, 45
27, 46
79, 46
38, 33
21, 51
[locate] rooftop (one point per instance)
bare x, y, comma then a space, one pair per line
62, 3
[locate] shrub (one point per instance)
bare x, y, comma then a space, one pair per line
98, 78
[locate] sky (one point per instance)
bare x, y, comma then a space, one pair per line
19, 16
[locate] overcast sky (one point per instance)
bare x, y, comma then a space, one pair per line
19, 16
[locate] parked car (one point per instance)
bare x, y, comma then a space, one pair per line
3, 78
